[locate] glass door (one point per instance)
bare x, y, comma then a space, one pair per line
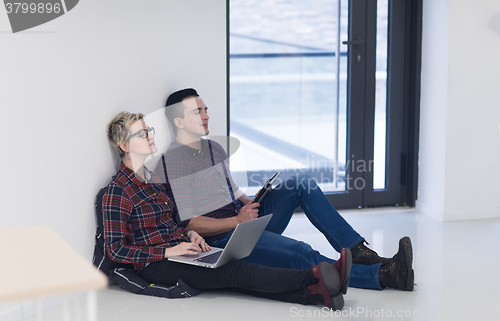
310, 88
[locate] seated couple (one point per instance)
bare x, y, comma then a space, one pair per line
141, 228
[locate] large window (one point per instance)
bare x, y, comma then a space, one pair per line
305, 78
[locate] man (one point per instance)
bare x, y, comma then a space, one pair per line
196, 173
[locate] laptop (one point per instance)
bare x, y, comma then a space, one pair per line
240, 245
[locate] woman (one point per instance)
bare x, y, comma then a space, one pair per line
140, 230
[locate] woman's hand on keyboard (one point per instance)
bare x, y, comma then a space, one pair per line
182, 249
195, 238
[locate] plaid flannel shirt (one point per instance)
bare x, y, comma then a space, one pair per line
138, 224
197, 186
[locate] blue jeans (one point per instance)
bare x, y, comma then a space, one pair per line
276, 250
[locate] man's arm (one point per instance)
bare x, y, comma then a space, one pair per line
209, 226
244, 198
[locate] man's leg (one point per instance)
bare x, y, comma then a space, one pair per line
301, 190
275, 250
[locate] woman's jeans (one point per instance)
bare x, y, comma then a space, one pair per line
273, 283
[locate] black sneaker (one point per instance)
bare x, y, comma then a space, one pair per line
398, 272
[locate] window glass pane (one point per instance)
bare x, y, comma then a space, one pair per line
380, 148
288, 75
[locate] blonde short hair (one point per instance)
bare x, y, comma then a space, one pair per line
118, 129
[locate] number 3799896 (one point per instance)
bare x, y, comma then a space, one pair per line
24, 7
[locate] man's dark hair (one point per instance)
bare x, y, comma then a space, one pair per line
176, 110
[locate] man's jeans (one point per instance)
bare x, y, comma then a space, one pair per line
275, 250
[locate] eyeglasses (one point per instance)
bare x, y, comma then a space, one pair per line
144, 133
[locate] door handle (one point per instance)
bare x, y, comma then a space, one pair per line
357, 42
354, 42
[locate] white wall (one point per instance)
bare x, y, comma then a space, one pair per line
62, 82
460, 114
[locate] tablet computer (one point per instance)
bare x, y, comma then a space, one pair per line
267, 187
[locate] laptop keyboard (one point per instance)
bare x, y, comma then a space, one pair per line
212, 258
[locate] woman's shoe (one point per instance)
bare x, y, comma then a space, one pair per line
343, 266
327, 290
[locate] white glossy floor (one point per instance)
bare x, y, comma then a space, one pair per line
456, 270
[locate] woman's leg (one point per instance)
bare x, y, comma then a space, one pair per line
274, 283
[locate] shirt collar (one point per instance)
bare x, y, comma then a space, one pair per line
131, 175
204, 147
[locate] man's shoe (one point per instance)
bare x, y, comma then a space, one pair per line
398, 272
363, 255
327, 290
343, 266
